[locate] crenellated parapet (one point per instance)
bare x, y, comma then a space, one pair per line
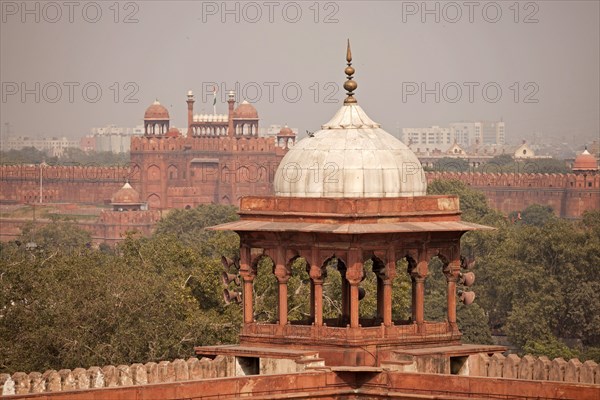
521, 180
64, 173
534, 368
117, 376
220, 143
569, 195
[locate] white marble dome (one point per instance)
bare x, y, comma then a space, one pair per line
351, 156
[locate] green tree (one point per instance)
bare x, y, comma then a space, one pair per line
473, 203
189, 227
58, 235
27, 155
535, 214
452, 164
150, 299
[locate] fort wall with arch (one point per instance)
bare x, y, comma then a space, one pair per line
173, 181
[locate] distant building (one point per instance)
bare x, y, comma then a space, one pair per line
431, 137
110, 138
221, 157
54, 146
463, 133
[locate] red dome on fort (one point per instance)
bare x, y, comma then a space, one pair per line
126, 195
585, 162
156, 111
245, 111
173, 132
286, 131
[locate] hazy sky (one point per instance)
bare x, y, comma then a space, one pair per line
288, 58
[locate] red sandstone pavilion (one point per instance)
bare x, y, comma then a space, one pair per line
374, 208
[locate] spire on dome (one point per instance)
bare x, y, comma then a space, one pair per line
349, 85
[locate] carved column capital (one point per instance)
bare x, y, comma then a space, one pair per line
354, 274
282, 273
316, 273
452, 271
420, 271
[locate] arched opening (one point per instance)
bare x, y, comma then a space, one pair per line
153, 201
265, 288
335, 291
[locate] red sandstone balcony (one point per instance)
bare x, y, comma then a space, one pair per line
438, 333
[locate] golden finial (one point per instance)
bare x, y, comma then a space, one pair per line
349, 85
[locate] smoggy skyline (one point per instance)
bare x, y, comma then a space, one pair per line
66, 67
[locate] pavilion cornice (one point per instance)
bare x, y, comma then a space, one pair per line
349, 228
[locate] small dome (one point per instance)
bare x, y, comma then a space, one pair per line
173, 132
126, 195
351, 156
286, 131
156, 111
585, 162
245, 111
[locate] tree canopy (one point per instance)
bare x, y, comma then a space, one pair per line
65, 304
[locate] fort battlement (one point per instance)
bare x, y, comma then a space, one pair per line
220, 144
113, 376
521, 180
194, 180
479, 365
569, 195
536, 368
65, 173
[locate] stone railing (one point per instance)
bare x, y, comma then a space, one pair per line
111, 376
536, 368
394, 334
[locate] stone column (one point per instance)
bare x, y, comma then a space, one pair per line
418, 274
316, 275
419, 299
283, 275
451, 271
248, 274
312, 301
354, 316
388, 277
354, 275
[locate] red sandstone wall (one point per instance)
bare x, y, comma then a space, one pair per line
187, 171
76, 184
65, 380
110, 227
568, 194
163, 171
183, 380
536, 368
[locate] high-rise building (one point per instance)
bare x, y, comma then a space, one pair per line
433, 136
464, 133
